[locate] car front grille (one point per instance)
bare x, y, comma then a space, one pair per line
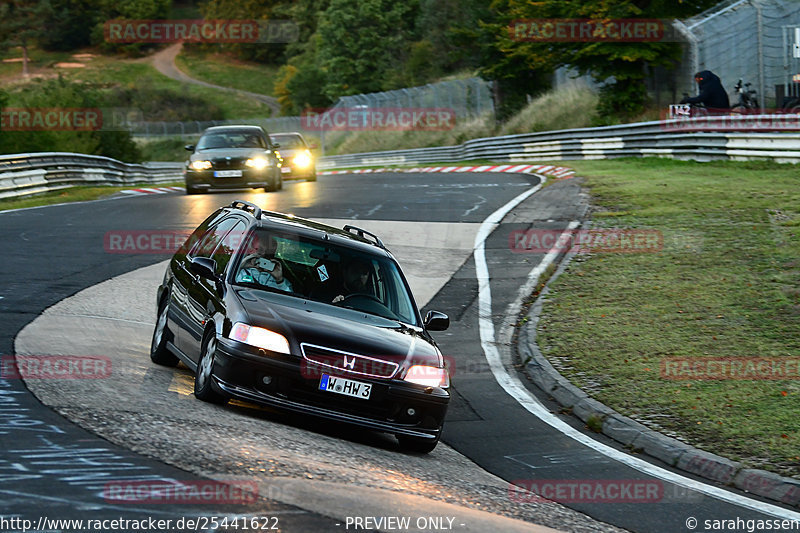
233, 163
321, 359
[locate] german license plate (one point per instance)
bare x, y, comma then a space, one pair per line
227, 173
347, 387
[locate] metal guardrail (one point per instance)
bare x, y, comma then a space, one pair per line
695, 138
26, 174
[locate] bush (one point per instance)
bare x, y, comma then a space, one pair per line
64, 95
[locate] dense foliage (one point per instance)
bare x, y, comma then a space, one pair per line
353, 46
65, 96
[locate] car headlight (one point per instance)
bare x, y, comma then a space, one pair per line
258, 163
259, 337
201, 164
429, 376
303, 159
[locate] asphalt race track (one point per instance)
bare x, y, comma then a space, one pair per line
310, 476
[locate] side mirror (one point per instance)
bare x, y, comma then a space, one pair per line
436, 321
189, 148
276, 145
205, 267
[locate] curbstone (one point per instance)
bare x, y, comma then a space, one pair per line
589, 407
660, 446
709, 466
769, 485
622, 429
566, 393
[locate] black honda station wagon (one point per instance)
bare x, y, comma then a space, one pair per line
290, 313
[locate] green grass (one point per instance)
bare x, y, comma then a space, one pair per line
171, 149
223, 70
38, 61
73, 194
111, 72
725, 284
572, 107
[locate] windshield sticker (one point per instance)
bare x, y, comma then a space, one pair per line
323, 273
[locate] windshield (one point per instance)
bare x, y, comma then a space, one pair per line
326, 273
289, 142
231, 139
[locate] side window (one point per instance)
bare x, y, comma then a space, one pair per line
228, 245
201, 230
212, 238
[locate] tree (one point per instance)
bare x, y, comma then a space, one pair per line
361, 41
20, 25
69, 24
619, 66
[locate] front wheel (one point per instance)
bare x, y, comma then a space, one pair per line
159, 353
203, 380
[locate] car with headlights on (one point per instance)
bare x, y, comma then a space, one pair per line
294, 314
232, 157
298, 161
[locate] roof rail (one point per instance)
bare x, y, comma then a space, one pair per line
364, 234
246, 206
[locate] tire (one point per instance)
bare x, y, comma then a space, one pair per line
312, 177
416, 444
192, 190
159, 353
272, 187
280, 183
203, 382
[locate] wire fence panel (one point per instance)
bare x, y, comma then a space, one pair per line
742, 39
468, 98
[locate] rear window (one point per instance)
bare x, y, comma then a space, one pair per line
232, 139
289, 142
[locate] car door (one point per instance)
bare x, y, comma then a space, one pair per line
204, 295
181, 278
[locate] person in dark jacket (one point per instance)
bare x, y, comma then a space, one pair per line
712, 93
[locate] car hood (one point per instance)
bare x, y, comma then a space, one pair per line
338, 329
221, 153
290, 152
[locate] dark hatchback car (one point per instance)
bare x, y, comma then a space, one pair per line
232, 157
295, 152
287, 312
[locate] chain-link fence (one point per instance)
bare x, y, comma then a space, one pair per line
750, 40
468, 98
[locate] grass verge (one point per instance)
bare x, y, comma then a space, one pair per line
726, 284
221, 69
73, 194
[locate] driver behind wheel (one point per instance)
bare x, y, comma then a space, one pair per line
356, 280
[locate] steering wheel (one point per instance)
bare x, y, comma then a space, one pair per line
361, 295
